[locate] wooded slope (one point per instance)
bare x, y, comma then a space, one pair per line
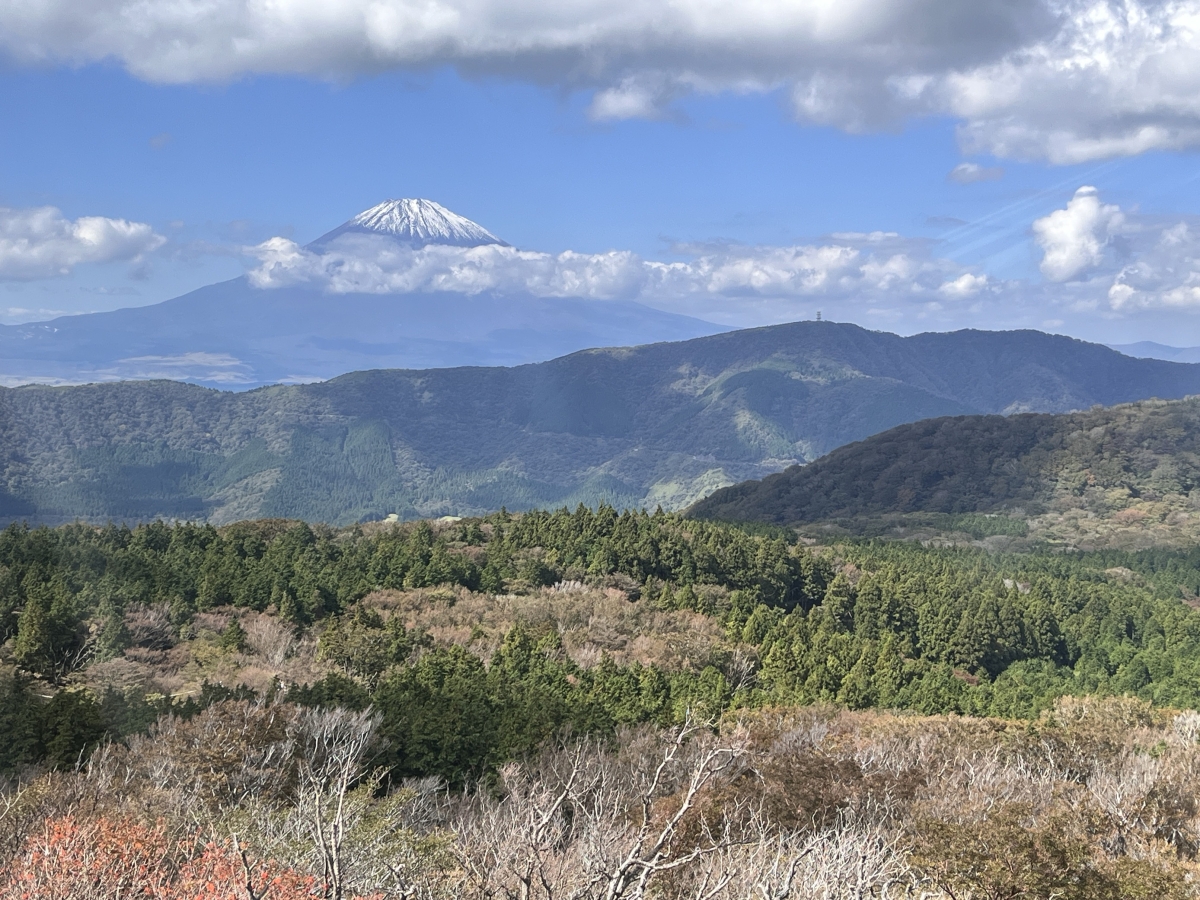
1130, 461
659, 424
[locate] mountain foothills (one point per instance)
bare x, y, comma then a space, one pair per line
386, 710
239, 335
663, 424
611, 705
1123, 476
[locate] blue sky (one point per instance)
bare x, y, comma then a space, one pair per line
709, 149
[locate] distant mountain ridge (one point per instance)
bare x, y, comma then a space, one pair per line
1152, 350
661, 424
233, 335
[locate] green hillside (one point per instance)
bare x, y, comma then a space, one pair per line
447, 694
664, 424
1125, 475
589, 620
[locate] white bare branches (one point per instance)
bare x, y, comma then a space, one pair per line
652, 849
851, 861
583, 822
333, 749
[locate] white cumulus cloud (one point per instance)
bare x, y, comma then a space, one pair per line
1165, 274
42, 243
634, 98
373, 264
723, 282
1074, 239
1103, 260
964, 286
1113, 78
1063, 80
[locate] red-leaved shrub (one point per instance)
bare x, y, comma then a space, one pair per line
104, 859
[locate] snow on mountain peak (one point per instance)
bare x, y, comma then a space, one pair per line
415, 222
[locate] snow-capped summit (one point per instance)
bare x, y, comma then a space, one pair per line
417, 223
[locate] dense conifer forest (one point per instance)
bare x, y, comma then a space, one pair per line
860, 623
358, 711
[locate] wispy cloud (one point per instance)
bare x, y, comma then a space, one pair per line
18, 315
969, 173
221, 368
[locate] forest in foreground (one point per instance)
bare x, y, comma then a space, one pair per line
591, 704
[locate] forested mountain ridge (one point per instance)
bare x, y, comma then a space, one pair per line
1119, 475
642, 426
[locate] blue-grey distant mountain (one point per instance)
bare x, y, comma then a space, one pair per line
233, 335
660, 424
1152, 350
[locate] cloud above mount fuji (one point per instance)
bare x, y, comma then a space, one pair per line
42, 243
1096, 259
1060, 80
717, 280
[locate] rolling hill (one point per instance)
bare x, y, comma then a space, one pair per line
1128, 475
659, 424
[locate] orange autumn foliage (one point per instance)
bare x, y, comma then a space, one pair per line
105, 858
68, 860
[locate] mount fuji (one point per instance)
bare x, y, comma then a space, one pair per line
236, 335
416, 223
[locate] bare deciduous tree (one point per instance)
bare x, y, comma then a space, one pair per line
582, 823
333, 745
271, 638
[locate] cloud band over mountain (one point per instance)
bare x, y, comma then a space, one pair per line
865, 266
1095, 259
1062, 80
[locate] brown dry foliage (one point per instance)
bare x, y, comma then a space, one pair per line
1095, 801
593, 623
